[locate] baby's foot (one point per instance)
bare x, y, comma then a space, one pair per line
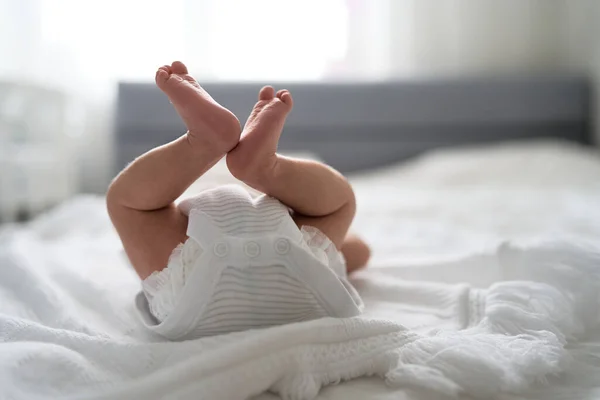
255, 154
209, 124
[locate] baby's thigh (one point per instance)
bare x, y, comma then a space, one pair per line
335, 225
149, 237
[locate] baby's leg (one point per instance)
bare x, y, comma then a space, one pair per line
140, 200
319, 195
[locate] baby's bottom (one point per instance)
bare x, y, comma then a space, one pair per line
141, 199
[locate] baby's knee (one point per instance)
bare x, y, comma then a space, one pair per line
356, 252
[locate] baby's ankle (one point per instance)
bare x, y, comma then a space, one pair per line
228, 139
199, 152
256, 173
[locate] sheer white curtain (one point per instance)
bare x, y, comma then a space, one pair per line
459, 37
85, 47
103, 40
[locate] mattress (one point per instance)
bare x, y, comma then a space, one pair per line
420, 218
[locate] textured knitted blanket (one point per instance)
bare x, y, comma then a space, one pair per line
68, 327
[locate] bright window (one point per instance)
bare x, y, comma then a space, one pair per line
277, 39
219, 39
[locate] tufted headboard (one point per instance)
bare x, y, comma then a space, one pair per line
355, 126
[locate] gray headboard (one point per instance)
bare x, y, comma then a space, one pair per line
356, 126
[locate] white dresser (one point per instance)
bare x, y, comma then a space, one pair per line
37, 157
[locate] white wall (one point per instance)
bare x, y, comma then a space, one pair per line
582, 45
493, 37
483, 37
463, 37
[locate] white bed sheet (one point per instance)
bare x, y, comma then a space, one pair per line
439, 209
455, 202
451, 204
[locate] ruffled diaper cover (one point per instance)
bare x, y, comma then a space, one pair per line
245, 265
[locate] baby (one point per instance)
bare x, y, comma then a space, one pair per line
222, 261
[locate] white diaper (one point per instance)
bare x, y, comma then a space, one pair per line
245, 265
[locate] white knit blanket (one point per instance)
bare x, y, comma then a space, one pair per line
68, 328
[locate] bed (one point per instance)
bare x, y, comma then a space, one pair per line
437, 217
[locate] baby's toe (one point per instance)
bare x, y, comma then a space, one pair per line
179, 68
266, 93
285, 96
162, 74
